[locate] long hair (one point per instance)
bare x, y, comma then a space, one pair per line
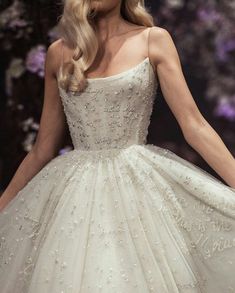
77, 30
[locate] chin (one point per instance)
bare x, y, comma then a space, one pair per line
96, 4
104, 5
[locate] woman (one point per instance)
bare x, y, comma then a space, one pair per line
117, 214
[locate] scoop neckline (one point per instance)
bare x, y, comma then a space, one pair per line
118, 74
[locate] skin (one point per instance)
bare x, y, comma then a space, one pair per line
117, 37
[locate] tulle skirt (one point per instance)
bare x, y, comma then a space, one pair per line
135, 220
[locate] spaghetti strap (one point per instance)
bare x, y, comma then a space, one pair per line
62, 55
148, 39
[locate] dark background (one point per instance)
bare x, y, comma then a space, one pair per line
203, 32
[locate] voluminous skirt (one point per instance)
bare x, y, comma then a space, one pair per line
133, 220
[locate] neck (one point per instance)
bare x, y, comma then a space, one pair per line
109, 24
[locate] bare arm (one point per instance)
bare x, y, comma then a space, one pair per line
51, 130
196, 130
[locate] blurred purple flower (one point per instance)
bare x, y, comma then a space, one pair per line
223, 48
18, 23
226, 109
208, 15
11, 17
35, 60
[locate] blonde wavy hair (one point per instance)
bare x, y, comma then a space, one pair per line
77, 30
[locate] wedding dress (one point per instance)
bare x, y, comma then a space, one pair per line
116, 214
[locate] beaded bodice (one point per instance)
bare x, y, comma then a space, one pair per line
114, 111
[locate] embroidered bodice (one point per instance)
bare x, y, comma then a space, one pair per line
113, 111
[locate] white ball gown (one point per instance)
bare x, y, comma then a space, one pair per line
115, 214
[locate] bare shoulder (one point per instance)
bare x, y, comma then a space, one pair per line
161, 45
160, 34
53, 56
57, 53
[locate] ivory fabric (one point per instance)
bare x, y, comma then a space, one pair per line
115, 214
